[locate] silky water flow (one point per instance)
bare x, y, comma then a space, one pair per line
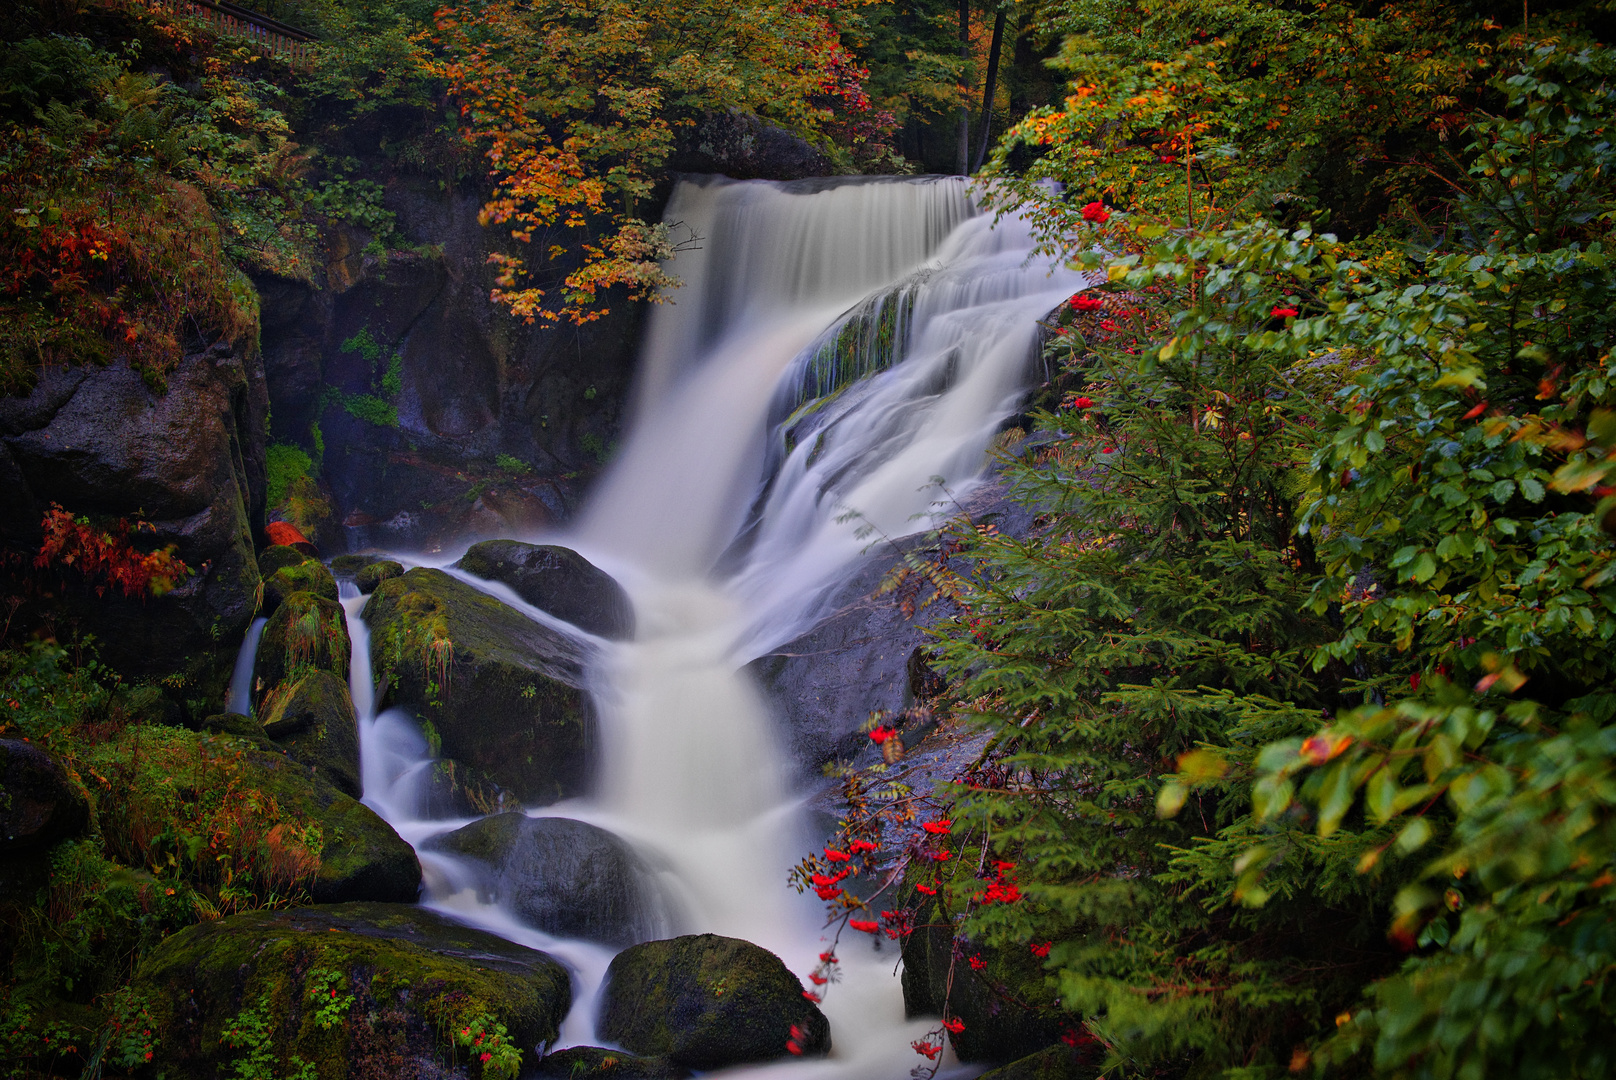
832, 369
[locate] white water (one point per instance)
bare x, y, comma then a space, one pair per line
691, 766
239, 698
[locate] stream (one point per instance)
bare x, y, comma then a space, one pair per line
831, 372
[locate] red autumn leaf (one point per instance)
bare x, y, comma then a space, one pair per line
1475, 412
859, 847
1283, 312
954, 1024
1041, 949
881, 734
1084, 302
836, 856
1097, 213
1083, 403
866, 925
940, 827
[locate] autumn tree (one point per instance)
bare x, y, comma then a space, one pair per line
578, 106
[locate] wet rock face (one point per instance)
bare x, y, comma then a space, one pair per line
190, 462
38, 803
557, 580
865, 653
497, 691
313, 720
561, 876
743, 147
403, 978
1058, 1062
705, 1001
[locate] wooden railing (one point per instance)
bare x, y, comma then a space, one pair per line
288, 42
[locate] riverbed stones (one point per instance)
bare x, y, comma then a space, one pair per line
39, 805
564, 877
351, 989
599, 1063
705, 1002
307, 632
494, 689
312, 719
557, 580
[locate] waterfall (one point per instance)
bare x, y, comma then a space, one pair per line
837, 361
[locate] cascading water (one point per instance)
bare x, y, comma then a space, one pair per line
840, 355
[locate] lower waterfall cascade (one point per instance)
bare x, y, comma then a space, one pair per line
839, 358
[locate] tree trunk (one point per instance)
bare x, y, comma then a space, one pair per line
987, 91
964, 109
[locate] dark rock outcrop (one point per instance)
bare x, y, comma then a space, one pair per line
189, 462
743, 147
306, 632
313, 720
352, 989
706, 1001
499, 692
561, 876
39, 805
557, 580
598, 1063
477, 389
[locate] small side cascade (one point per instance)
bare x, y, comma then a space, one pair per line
239, 698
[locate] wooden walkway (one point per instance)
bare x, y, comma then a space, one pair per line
288, 42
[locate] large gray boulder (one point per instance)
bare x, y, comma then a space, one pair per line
188, 461
561, 876
497, 691
557, 580
705, 1002
313, 720
352, 989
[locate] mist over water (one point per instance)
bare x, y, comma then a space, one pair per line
733, 507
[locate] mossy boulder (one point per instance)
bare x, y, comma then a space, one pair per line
308, 576
39, 802
1004, 1000
705, 1001
346, 566
312, 719
278, 557
242, 727
1058, 1062
561, 876
306, 632
360, 990
557, 580
598, 1063
498, 691
373, 574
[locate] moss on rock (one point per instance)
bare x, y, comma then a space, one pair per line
312, 719
280, 556
309, 576
306, 632
598, 1063
502, 693
352, 990
373, 574
1058, 1062
705, 1001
